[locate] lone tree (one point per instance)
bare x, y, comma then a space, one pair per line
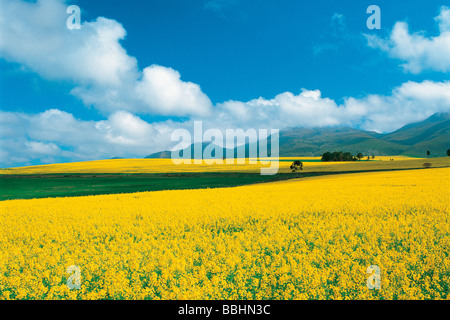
359, 156
448, 152
428, 153
296, 166
373, 157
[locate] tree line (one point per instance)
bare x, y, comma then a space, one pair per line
342, 156
347, 156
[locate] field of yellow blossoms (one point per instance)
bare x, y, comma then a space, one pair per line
311, 238
167, 166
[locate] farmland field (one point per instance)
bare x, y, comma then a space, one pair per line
137, 175
306, 238
140, 166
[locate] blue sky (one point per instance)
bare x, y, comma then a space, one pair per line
124, 82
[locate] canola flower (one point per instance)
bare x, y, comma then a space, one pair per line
307, 238
150, 166
166, 166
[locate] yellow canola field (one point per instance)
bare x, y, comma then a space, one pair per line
148, 166
301, 239
167, 166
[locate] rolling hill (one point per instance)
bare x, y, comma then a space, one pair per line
414, 140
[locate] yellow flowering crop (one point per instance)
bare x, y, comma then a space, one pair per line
167, 166
151, 166
300, 239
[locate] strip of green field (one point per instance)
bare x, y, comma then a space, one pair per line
72, 185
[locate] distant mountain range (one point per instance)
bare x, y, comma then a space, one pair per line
413, 140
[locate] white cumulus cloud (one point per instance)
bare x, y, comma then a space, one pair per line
93, 59
410, 102
55, 135
418, 51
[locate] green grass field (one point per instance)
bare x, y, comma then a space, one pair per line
63, 185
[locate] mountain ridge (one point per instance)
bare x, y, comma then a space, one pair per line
413, 139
